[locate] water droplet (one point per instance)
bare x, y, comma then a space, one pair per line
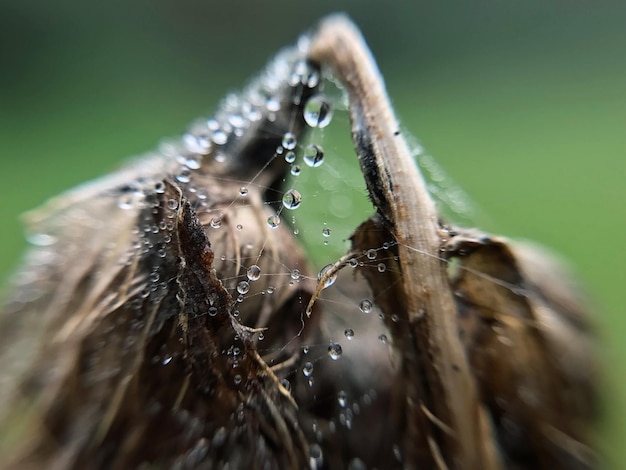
243, 191
167, 360
318, 111
272, 104
331, 279
382, 338
315, 452
304, 74
353, 262
326, 232
382, 267
184, 176
212, 311
253, 273
159, 187
193, 162
349, 333
290, 156
273, 221
219, 137
285, 383
335, 351
239, 227
126, 201
371, 253
356, 464
243, 287
307, 370
172, 204
216, 222
365, 306
237, 379
314, 155
289, 141
305, 350
270, 290
342, 398
397, 453
292, 199
295, 274
295, 170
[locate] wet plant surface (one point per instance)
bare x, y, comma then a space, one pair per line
168, 316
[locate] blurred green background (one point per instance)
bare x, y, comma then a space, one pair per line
522, 103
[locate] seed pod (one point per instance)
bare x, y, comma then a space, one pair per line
121, 341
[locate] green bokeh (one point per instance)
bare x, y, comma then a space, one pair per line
522, 103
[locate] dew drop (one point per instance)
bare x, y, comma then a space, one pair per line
353, 262
314, 155
172, 204
243, 191
219, 137
307, 370
285, 383
216, 222
305, 350
253, 273
335, 351
272, 104
126, 201
159, 187
326, 232
290, 156
292, 199
237, 379
331, 279
295, 170
349, 333
243, 287
365, 306
167, 360
212, 311
184, 176
315, 452
273, 221
342, 398
397, 453
356, 464
382, 338
289, 141
371, 253
193, 162
382, 267
318, 111
239, 227
295, 274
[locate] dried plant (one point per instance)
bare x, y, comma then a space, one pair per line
166, 316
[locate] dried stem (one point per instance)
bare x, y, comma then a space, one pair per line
400, 195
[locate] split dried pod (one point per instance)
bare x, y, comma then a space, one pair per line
138, 342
